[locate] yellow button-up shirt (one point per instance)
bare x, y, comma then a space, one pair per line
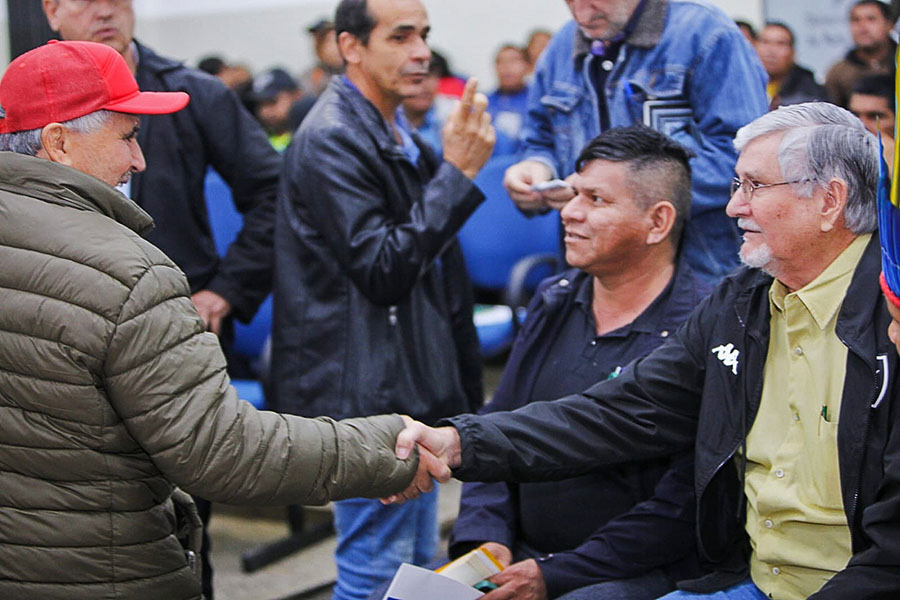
795, 512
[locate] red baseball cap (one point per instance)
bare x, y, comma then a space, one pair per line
61, 81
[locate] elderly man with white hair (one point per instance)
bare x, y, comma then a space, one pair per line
782, 381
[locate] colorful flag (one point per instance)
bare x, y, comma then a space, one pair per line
889, 214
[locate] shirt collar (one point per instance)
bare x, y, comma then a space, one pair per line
408, 146
643, 29
649, 321
824, 295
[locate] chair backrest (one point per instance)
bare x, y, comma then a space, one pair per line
224, 219
498, 235
226, 223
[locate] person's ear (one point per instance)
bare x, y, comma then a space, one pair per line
56, 144
50, 7
662, 218
349, 46
833, 203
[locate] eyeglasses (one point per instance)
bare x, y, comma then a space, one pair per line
748, 187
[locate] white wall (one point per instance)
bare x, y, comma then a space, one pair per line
270, 32
273, 32
4, 35
822, 34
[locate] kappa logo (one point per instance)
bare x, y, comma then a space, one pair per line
728, 354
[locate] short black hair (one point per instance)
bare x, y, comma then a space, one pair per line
784, 26
353, 16
877, 85
746, 25
439, 65
211, 64
659, 168
882, 6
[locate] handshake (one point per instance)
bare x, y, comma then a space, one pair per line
439, 451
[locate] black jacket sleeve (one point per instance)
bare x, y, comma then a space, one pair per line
487, 511
239, 151
649, 411
873, 573
382, 254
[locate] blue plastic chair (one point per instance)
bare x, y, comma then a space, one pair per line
251, 340
506, 253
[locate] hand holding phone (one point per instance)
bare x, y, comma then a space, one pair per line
555, 193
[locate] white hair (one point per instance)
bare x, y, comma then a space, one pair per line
29, 142
823, 141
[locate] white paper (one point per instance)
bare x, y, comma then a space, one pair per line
415, 583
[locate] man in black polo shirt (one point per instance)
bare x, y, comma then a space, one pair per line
629, 291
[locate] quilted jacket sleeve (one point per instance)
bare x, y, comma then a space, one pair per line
165, 378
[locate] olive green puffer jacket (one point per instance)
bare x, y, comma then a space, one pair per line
112, 393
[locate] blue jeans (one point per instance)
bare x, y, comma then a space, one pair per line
645, 587
742, 591
374, 539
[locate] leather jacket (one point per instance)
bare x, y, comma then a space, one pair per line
373, 307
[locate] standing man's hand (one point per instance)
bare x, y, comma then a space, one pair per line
212, 308
520, 581
468, 136
518, 180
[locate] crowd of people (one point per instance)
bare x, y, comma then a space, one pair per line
701, 405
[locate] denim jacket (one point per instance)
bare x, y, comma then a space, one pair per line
686, 54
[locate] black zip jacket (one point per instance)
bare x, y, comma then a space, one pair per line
214, 130
373, 307
799, 86
684, 394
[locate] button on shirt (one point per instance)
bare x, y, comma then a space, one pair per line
795, 512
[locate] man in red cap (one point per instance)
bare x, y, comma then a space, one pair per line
214, 132
112, 392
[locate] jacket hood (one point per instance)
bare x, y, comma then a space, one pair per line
62, 185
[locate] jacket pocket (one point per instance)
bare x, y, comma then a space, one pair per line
664, 103
188, 529
561, 105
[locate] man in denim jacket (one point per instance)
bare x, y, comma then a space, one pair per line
681, 67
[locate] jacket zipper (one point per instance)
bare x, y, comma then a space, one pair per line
851, 515
754, 339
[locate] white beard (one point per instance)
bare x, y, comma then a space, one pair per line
759, 258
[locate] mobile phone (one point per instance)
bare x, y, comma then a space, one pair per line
485, 586
547, 186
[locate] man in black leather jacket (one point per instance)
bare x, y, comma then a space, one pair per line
806, 202
373, 307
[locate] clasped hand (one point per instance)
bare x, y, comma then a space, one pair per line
439, 451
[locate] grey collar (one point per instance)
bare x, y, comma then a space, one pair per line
646, 34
